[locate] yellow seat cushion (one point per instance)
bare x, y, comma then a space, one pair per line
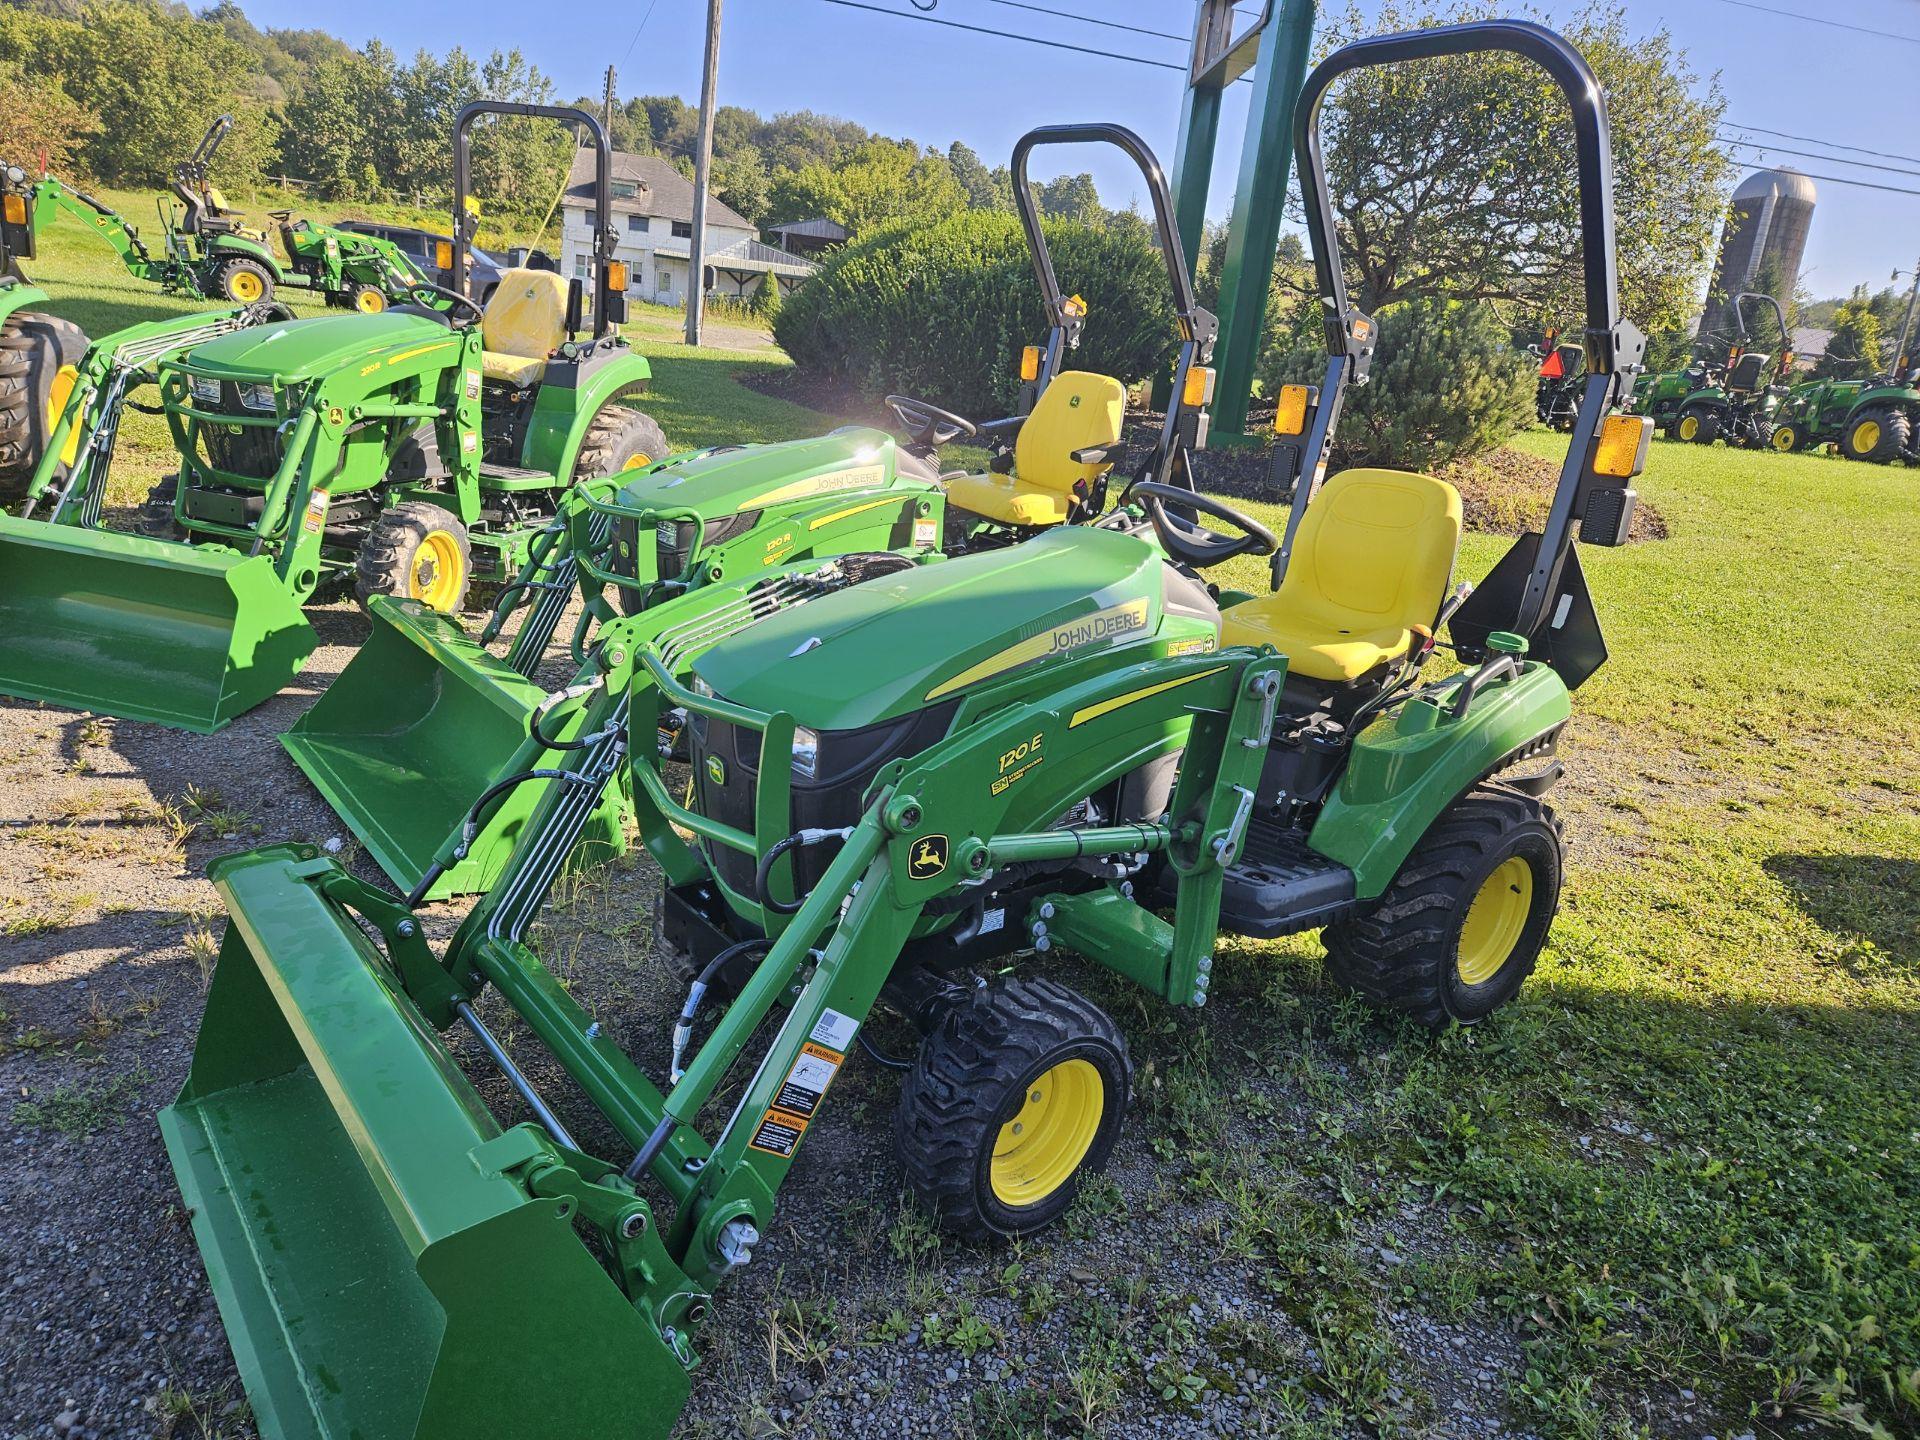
1371, 560
1077, 411
525, 322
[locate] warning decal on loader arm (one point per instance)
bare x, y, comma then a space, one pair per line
798, 1099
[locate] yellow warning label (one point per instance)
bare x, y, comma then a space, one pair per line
777, 1134
315, 519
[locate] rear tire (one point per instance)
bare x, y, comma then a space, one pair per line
416, 551
1762, 438
1019, 1091
1878, 435
243, 282
619, 438
38, 356
1459, 929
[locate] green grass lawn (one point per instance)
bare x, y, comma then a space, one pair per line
1689, 1156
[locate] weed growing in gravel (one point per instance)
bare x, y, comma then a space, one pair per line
203, 948
180, 1414
79, 1110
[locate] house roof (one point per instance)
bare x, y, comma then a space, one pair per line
745, 255
819, 229
664, 192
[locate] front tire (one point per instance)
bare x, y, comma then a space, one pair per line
1458, 931
1878, 435
39, 359
1697, 425
419, 552
1789, 437
243, 282
156, 517
365, 298
1019, 1092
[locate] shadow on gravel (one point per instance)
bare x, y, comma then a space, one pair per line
1875, 898
111, 940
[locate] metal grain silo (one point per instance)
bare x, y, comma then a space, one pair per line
1767, 220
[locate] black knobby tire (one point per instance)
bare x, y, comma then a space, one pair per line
1403, 954
1788, 437
1706, 424
34, 348
1894, 433
619, 438
1762, 437
227, 277
364, 298
972, 1078
391, 554
156, 515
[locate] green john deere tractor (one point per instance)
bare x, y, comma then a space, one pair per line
1739, 404
39, 353
1659, 395
207, 251
405, 453
1041, 746
1875, 420
425, 722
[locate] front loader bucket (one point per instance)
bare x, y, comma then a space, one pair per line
379, 1271
146, 629
413, 731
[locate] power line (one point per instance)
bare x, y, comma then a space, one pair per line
1816, 140
1090, 20
1836, 179
1815, 155
637, 29
1822, 20
1009, 35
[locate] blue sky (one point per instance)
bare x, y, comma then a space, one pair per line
933, 84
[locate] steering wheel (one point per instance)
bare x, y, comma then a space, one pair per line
1193, 544
929, 425
476, 311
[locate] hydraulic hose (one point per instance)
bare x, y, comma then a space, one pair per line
696, 993
763, 874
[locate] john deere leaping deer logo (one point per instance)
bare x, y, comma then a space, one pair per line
929, 857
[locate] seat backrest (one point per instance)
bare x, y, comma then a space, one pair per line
1077, 410
1747, 370
1374, 551
526, 314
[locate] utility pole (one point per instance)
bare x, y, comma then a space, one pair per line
1906, 325
702, 174
606, 115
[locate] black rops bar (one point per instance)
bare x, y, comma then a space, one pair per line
1196, 325
1614, 347
603, 237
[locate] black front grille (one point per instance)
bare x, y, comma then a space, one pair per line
674, 539
252, 451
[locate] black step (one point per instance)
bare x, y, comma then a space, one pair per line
489, 470
1280, 887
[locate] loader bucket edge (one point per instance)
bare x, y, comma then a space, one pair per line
145, 629
411, 732
376, 1276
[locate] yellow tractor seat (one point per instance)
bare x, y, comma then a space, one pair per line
1371, 560
525, 322
1077, 411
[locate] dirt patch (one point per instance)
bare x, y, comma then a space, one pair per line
1508, 492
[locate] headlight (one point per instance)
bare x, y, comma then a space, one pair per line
257, 397
702, 688
206, 389
806, 750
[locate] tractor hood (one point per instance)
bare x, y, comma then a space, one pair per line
738, 478
306, 349
898, 643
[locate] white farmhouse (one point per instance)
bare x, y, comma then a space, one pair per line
653, 228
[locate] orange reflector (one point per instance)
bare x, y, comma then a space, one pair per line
443, 254
618, 274
16, 209
1620, 449
1362, 329
1786, 361
1734, 353
1030, 363
1199, 386
1291, 417
1075, 308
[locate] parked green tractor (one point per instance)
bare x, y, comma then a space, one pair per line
1038, 746
1739, 405
1874, 420
424, 723
39, 354
1659, 395
207, 251
407, 453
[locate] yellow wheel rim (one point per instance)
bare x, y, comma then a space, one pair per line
1495, 921
1783, 438
1038, 1150
1689, 427
369, 302
438, 575
58, 394
637, 462
245, 286
1866, 436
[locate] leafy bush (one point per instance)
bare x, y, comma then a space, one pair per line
1444, 385
942, 310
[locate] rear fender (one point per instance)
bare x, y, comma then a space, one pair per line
1406, 769
569, 397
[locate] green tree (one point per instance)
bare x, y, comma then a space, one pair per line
741, 180
1854, 350
1071, 197
1455, 177
983, 186
883, 182
40, 119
